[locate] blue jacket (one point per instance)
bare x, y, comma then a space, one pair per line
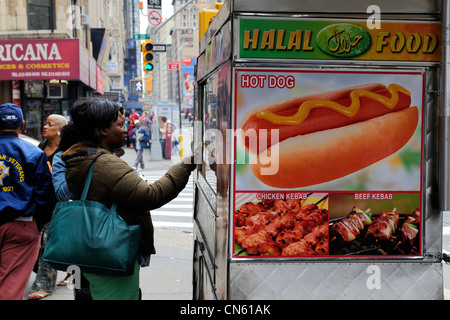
146, 137
59, 178
26, 187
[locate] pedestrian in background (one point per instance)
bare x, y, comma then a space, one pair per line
45, 281
146, 122
52, 134
98, 126
141, 138
163, 131
133, 117
26, 203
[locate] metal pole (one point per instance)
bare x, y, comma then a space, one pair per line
445, 111
179, 105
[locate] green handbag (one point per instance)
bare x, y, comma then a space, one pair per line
89, 235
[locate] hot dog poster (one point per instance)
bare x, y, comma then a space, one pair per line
328, 130
346, 184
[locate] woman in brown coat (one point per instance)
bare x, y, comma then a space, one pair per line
99, 125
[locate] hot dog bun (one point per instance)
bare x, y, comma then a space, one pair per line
319, 119
310, 159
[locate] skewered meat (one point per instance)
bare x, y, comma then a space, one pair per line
306, 210
282, 206
410, 228
352, 225
415, 217
260, 220
383, 226
268, 249
285, 238
300, 248
250, 208
262, 230
246, 210
251, 242
240, 233
322, 247
314, 219
285, 221
408, 233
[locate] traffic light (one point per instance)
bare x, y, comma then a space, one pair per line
205, 18
147, 55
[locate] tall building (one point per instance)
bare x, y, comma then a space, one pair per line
53, 52
132, 64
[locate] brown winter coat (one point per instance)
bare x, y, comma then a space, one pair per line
114, 180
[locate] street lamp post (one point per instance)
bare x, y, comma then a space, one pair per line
179, 112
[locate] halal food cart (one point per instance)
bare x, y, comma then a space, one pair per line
323, 130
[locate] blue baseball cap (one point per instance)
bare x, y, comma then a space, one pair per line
11, 116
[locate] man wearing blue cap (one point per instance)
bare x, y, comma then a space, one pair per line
26, 197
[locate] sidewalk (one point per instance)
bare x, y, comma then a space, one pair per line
169, 276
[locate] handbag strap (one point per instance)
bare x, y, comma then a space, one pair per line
87, 184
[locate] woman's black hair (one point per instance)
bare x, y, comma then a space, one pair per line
68, 137
89, 115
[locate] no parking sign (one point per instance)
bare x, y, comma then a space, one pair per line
155, 18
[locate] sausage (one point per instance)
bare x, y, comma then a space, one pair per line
319, 119
318, 157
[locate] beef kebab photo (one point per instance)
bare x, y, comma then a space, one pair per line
384, 233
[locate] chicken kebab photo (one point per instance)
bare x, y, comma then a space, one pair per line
282, 227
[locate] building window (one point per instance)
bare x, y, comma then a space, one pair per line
40, 15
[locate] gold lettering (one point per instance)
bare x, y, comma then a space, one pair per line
307, 41
397, 42
429, 43
413, 43
381, 40
248, 40
280, 38
345, 43
268, 40
295, 40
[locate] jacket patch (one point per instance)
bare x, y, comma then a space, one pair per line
4, 172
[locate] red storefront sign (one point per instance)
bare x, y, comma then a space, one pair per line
41, 59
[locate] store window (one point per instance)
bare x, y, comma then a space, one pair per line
41, 15
34, 89
38, 105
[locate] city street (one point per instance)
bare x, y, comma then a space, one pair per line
321, 139
169, 276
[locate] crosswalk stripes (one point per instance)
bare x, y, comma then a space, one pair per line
177, 214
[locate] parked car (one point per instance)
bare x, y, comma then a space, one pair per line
29, 139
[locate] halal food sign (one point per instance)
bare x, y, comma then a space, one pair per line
318, 39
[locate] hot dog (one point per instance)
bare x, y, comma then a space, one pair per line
327, 136
319, 118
